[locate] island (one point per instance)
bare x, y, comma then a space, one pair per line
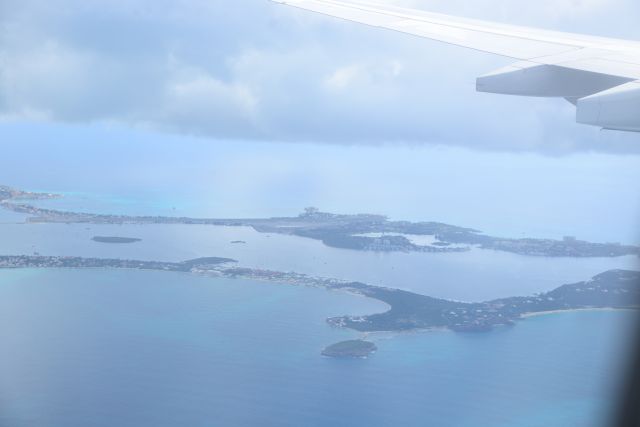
364, 232
115, 240
8, 193
194, 265
350, 349
614, 289
408, 311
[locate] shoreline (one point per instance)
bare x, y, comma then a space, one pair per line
364, 232
406, 312
577, 310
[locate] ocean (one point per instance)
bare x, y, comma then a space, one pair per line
132, 348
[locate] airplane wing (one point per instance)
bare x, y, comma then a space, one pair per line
600, 75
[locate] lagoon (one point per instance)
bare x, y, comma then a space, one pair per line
477, 275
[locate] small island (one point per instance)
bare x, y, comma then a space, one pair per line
115, 240
350, 349
364, 232
238, 242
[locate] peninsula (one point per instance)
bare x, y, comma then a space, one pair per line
616, 289
363, 232
25, 261
8, 193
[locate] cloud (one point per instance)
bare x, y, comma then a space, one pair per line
197, 101
251, 69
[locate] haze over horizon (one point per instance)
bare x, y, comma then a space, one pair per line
291, 109
590, 195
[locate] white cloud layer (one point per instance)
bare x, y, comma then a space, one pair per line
251, 69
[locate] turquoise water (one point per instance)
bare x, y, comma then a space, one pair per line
129, 348
140, 203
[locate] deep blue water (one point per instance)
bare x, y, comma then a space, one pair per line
129, 348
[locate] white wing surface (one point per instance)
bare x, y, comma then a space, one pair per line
581, 68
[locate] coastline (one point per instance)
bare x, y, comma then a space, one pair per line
576, 310
364, 232
405, 311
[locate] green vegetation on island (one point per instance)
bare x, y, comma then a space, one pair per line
363, 232
350, 349
195, 265
617, 289
116, 240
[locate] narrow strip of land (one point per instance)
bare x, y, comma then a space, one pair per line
616, 289
364, 232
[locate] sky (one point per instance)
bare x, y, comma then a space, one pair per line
259, 109
256, 70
